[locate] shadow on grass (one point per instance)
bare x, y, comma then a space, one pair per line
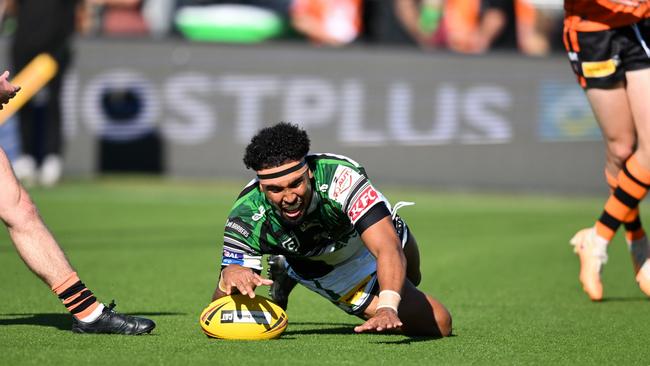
409, 340
625, 299
59, 321
345, 328
322, 328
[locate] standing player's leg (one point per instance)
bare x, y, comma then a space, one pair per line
633, 184
638, 89
612, 111
42, 254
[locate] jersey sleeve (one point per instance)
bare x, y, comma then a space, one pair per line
362, 203
240, 245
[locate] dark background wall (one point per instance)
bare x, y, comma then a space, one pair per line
496, 122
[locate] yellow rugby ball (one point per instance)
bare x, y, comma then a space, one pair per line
240, 317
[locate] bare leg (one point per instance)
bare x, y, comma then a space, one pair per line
612, 110
33, 241
638, 91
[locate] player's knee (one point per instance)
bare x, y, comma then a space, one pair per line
444, 323
619, 152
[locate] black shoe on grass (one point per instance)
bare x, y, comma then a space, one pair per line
111, 322
282, 283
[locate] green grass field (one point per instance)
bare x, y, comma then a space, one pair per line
501, 264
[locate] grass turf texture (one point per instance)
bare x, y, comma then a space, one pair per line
501, 264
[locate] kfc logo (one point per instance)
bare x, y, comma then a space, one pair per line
343, 183
366, 199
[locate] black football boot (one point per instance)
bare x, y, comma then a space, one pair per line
112, 322
282, 283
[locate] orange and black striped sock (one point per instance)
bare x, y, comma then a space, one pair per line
78, 299
633, 184
632, 222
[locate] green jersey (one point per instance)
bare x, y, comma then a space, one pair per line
344, 204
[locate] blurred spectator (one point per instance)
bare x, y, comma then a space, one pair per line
328, 22
472, 26
42, 26
423, 21
158, 14
122, 17
475, 26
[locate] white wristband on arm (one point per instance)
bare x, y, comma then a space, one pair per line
389, 299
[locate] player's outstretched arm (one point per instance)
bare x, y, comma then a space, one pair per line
238, 279
7, 90
382, 241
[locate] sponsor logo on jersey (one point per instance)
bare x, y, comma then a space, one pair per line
258, 216
238, 226
365, 200
230, 257
599, 69
234, 255
290, 244
324, 187
245, 316
226, 261
343, 183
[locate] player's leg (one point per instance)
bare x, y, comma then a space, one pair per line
612, 111
41, 253
421, 314
638, 89
282, 284
596, 60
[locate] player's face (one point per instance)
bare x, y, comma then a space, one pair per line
291, 194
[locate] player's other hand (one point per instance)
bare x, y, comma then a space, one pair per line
384, 319
237, 278
7, 90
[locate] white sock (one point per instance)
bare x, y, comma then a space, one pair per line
94, 315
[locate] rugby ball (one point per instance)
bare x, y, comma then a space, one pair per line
240, 317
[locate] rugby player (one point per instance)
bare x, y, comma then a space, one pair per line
42, 254
329, 229
607, 44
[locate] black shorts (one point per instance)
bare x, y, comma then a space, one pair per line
600, 59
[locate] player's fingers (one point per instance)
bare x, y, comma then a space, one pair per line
266, 282
369, 325
259, 281
5, 75
243, 289
248, 288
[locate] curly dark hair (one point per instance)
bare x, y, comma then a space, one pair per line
276, 145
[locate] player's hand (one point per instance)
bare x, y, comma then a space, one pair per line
384, 319
242, 279
7, 90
